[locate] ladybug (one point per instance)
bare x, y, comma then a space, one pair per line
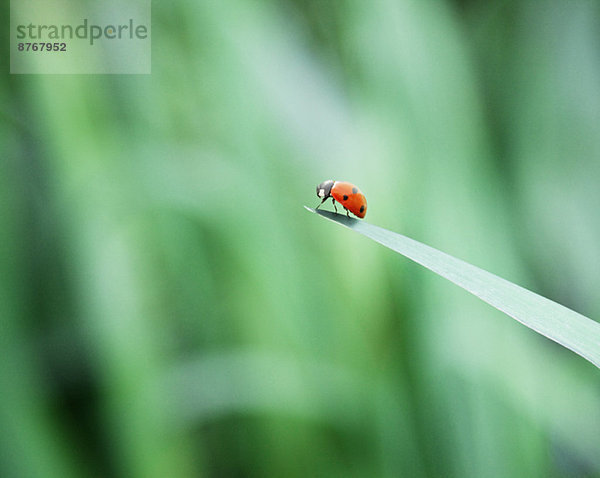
347, 194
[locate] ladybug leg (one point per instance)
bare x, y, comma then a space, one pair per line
334, 205
347, 212
324, 199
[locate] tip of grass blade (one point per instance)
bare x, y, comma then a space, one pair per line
334, 216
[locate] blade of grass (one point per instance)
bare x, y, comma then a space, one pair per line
566, 327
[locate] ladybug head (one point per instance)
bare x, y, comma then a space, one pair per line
324, 189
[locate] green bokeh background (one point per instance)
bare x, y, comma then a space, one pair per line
169, 309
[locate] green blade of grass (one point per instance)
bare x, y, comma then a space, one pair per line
566, 327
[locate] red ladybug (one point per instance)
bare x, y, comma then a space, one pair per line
347, 194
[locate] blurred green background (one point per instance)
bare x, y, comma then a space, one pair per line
169, 309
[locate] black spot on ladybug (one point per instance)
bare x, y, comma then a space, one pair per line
362, 209
354, 190
345, 198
